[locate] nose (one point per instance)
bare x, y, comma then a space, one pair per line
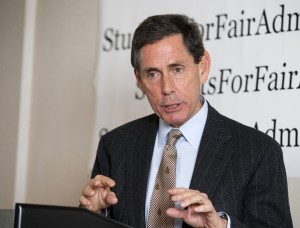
167, 85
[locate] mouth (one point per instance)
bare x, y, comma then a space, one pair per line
171, 107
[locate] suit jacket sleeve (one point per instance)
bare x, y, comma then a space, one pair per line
266, 198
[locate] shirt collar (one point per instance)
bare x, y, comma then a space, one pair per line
189, 131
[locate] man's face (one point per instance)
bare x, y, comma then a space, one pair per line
171, 80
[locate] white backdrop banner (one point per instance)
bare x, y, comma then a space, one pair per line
255, 75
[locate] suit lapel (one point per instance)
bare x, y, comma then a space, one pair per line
138, 170
213, 154
212, 159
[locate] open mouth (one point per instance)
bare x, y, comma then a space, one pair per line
171, 107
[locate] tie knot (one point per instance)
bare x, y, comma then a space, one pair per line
173, 136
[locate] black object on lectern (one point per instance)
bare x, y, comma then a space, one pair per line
46, 216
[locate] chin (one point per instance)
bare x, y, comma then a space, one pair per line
175, 123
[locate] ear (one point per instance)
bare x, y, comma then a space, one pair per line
204, 67
138, 79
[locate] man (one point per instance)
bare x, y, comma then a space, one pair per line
227, 174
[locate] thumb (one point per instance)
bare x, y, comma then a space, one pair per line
111, 198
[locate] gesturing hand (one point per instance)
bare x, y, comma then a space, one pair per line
96, 195
199, 211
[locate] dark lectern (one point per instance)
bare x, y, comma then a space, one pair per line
46, 216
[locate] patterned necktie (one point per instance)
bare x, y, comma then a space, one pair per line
165, 180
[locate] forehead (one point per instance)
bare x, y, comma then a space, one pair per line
172, 41
167, 49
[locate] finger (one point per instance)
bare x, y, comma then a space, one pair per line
197, 199
183, 193
188, 197
176, 213
84, 201
101, 181
111, 198
88, 191
175, 191
95, 183
108, 198
204, 208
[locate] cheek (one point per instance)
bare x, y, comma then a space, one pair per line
154, 99
190, 93
190, 87
153, 96
152, 92
195, 84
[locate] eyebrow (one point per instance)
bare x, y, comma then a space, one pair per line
150, 69
169, 66
172, 65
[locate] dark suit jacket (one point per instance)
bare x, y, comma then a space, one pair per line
239, 168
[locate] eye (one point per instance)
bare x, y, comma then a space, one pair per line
151, 74
178, 69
